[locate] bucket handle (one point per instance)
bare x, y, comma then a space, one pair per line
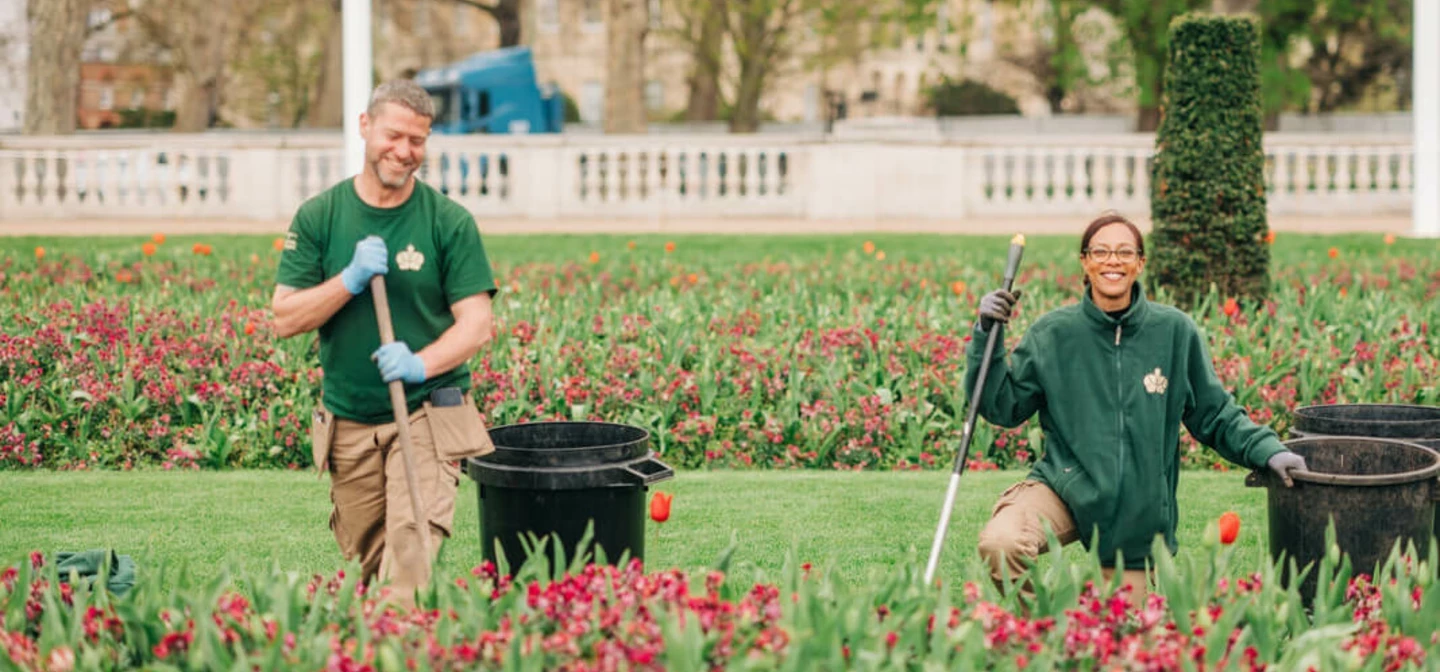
649, 470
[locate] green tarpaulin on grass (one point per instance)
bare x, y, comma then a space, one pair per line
87, 565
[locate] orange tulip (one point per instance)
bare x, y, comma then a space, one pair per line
594, 257
669, 247
693, 278
1232, 307
957, 288
39, 253
880, 256
1334, 253
630, 244
249, 328
660, 506
1389, 239
148, 249
1270, 238
123, 276
869, 247
159, 238
1229, 527
279, 244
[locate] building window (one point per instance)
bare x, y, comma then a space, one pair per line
592, 101
654, 95
137, 98
107, 98
97, 18
549, 18
593, 15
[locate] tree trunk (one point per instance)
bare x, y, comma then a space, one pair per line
1151, 83
1149, 119
704, 103
327, 110
195, 110
746, 116
757, 60
507, 14
625, 28
57, 35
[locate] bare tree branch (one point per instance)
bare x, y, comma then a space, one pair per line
114, 17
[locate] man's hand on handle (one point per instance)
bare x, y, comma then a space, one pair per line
396, 362
371, 259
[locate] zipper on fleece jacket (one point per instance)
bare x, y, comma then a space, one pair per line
1120, 406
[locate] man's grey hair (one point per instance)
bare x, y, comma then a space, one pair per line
402, 92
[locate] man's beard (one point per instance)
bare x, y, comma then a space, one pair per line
397, 182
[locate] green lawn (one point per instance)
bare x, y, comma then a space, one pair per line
857, 523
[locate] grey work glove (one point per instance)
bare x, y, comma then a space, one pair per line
1285, 463
996, 307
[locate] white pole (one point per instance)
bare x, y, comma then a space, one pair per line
1426, 111
355, 18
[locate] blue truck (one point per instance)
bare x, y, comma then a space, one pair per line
492, 92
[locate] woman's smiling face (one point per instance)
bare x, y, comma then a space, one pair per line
1112, 262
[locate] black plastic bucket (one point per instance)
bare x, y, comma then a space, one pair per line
1375, 490
1415, 424
556, 478
1403, 422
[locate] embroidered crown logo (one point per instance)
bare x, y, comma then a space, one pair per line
410, 259
1155, 382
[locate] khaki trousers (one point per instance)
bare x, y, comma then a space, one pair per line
1015, 535
373, 519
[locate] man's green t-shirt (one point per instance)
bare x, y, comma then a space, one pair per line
436, 259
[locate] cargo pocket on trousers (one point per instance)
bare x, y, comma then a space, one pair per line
458, 431
322, 435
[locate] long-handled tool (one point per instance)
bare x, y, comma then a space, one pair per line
1017, 249
402, 419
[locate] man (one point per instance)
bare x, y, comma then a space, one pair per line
384, 222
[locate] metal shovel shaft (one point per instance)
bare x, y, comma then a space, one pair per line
1012, 266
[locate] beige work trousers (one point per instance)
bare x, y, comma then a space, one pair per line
1015, 534
373, 518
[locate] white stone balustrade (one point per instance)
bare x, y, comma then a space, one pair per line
659, 177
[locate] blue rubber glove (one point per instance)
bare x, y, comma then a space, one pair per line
371, 259
396, 362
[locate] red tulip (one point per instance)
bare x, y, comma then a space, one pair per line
1231, 307
660, 506
1229, 527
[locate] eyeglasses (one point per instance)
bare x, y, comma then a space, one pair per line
1101, 254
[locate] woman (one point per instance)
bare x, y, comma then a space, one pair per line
1112, 378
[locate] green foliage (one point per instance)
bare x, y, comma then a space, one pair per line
734, 351
564, 613
1208, 189
572, 110
139, 117
957, 98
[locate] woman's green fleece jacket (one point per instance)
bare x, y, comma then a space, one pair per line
1112, 394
